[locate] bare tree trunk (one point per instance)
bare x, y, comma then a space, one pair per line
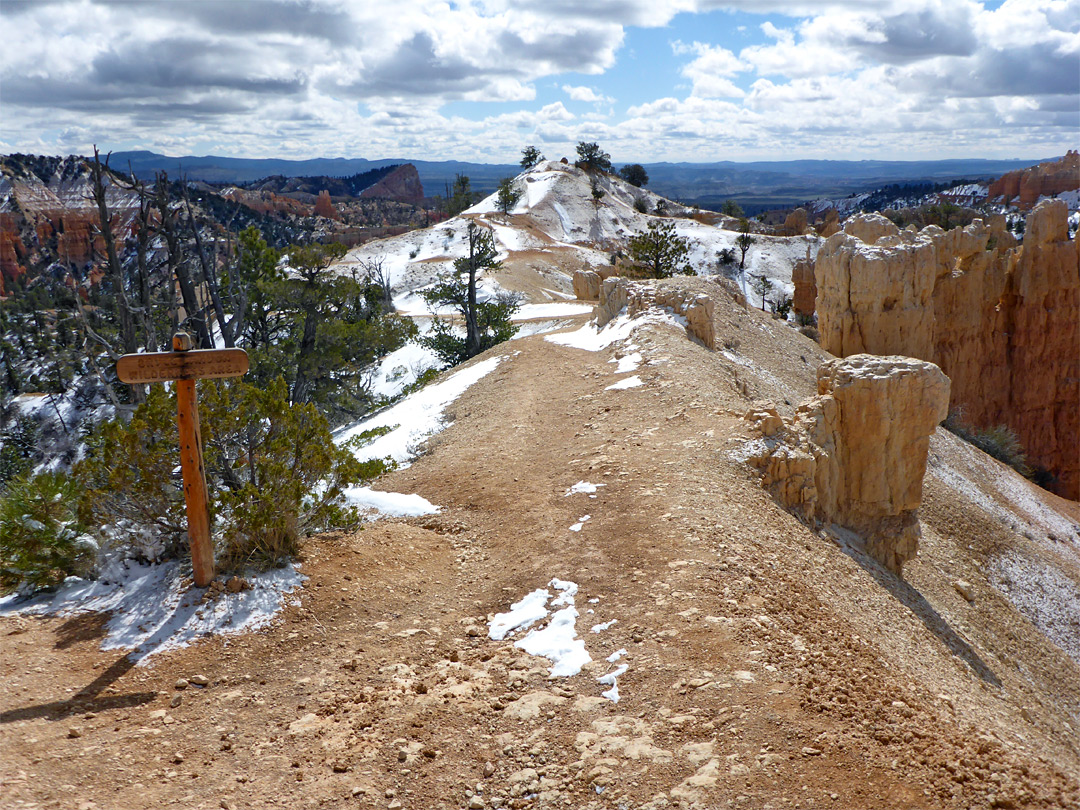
209, 275
123, 306
178, 267
472, 327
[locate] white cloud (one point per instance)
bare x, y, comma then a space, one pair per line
711, 70
586, 94
255, 77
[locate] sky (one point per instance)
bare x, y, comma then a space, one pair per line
477, 80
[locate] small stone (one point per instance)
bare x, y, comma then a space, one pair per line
965, 589
339, 766
473, 631
74, 732
176, 701
199, 680
811, 752
359, 791
489, 769
430, 753
394, 805
476, 803
181, 683
178, 758
402, 755
234, 585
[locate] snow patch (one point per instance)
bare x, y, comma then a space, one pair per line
415, 418
392, 504
627, 363
556, 641
151, 610
629, 382
583, 487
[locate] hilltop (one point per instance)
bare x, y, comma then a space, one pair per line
704, 646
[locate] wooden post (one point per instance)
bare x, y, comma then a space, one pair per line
185, 366
194, 474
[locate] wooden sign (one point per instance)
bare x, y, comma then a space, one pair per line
199, 364
184, 366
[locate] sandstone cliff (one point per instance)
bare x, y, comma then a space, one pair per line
1025, 187
1001, 320
855, 455
802, 278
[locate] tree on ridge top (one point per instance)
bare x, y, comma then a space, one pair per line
592, 158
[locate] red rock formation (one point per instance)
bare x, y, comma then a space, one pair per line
1002, 321
11, 251
1024, 187
324, 207
402, 184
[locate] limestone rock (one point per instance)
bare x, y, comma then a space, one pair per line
870, 227
586, 285
802, 276
1001, 320
638, 297
855, 455
830, 225
796, 223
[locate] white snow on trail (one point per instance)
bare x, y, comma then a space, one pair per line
583, 487
417, 417
553, 310
153, 613
592, 339
393, 504
629, 382
557, 640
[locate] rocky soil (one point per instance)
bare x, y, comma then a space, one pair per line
769, 664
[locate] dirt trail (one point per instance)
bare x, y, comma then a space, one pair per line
766, 665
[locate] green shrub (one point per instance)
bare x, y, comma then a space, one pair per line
273, 471
999, 441
41, 539
641, 205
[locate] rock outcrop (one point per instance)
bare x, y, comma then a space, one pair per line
324, 206
1001, 320
802, 277
403, 184
855, 455
587, 285
1025, 187
796, 223
830, 225
637, 297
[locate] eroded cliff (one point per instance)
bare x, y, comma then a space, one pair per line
1001, 320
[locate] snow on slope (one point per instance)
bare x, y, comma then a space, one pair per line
556, 215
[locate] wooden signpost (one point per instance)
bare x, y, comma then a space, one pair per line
184, 366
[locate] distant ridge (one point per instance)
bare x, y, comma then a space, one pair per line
756, 184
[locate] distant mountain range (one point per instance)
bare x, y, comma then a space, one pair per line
757, 185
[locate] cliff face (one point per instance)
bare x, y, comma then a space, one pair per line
1002, 321
46, 209
402, 184
1025, 187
